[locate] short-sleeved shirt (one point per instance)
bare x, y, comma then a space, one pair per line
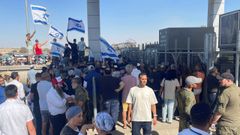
20, 89
42, 88
193, 131
106, 87
141, 99
129, 81
69, 131
31, 76
2, 95
170, 88
229, 106
186, 100
14, 116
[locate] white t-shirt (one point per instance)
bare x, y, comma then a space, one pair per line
193, 131
43, 87
170, 88
14, 116
141, 100
31, 76
56, 104
135, 73
20, 89
81, 46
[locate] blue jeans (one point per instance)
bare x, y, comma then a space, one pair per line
167, 109
137, 126
112, 107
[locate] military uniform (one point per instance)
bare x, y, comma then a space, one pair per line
229, 107
186, 100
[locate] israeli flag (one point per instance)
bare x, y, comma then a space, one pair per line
77, 25
39, 14
107, 51
55, 33
56, 49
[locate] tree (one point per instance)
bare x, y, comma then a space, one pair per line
23, 50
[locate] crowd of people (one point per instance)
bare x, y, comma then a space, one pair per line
61, 99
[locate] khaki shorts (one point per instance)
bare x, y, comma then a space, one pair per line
125, 107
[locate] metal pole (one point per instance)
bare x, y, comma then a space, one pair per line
94, 98
237, 59
26, 14
188, 50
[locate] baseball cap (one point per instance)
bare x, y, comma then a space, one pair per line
72, 112
192, 80
227, 76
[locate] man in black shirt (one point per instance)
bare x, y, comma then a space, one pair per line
109, 97
36, 108
213, 85
74, 49
67, 53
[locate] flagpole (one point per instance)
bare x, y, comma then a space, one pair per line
26, 14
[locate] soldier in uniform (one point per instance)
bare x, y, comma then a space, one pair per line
226, 115
186, 100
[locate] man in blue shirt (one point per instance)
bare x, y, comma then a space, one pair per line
2, 93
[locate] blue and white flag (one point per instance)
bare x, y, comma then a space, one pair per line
107, 51
39, 14
57, 49
77, 25
55, 33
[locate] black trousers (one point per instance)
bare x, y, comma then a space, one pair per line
38, 120
58, 122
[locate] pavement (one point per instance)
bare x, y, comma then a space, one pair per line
159, 129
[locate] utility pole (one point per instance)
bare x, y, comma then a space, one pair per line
26, 14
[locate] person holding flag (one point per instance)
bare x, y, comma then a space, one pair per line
74, 49
37, 49
56, 51
28, 43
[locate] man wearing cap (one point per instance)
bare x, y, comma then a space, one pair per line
227, 114
56, 101
74, 116
186, 100
16, 81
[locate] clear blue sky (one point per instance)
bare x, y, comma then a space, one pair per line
120, 19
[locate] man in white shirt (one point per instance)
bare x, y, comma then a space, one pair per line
15, 117
201, 116
142, 104
135, 73
57, 100
31, 76
43, 87
81, 48
15, 81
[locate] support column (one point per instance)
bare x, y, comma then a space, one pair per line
215, 8
93, 11
237, 60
